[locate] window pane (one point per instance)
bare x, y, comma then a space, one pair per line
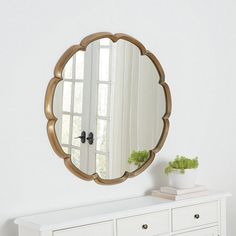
66, 96
105, 42
75, 157
101, 165
101, 135
65, 129
104, 64
67, 72
78, 97
65, 149
76, 131
79, 68
102, 99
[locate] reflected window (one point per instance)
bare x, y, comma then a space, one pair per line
79, 65
78, 97
104, 64
101, 165
72, 104
68, 69
66, 105
102, 99
102, 135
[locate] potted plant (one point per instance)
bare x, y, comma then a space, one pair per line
182, 172
138, 158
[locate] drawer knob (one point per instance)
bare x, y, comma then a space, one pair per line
145, 226
196, 216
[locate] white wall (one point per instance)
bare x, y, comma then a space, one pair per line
195, 42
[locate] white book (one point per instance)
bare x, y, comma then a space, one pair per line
158, 193
180, 191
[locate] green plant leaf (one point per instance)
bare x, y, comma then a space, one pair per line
182, 163
138, 157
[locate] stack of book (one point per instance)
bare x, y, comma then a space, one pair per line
172, 193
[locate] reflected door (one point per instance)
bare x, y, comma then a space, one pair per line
70, 110
86, 91
100, 107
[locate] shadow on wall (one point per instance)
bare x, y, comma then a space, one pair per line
9, 228
158, 175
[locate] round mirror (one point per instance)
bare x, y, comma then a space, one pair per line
108, 108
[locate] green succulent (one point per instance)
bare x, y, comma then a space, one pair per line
138, 157
181, 163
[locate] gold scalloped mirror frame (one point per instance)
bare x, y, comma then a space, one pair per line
52, 119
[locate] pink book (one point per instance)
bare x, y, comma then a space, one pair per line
158, 193
180, 191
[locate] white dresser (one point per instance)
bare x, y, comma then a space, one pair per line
141, 216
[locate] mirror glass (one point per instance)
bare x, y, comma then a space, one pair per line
109, 107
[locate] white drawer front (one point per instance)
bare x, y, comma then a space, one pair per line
99, 229
193, 216
144, 225
212, 231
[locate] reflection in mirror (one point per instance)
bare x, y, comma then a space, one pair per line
112, 93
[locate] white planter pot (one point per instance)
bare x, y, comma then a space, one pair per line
186, 180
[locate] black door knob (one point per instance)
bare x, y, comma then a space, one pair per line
82, 137
145, 226
196, 216
90, 138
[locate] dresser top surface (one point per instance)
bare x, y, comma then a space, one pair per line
76, 216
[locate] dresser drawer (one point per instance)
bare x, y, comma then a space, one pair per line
212, 231
98, 229
193, 216
144, 225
